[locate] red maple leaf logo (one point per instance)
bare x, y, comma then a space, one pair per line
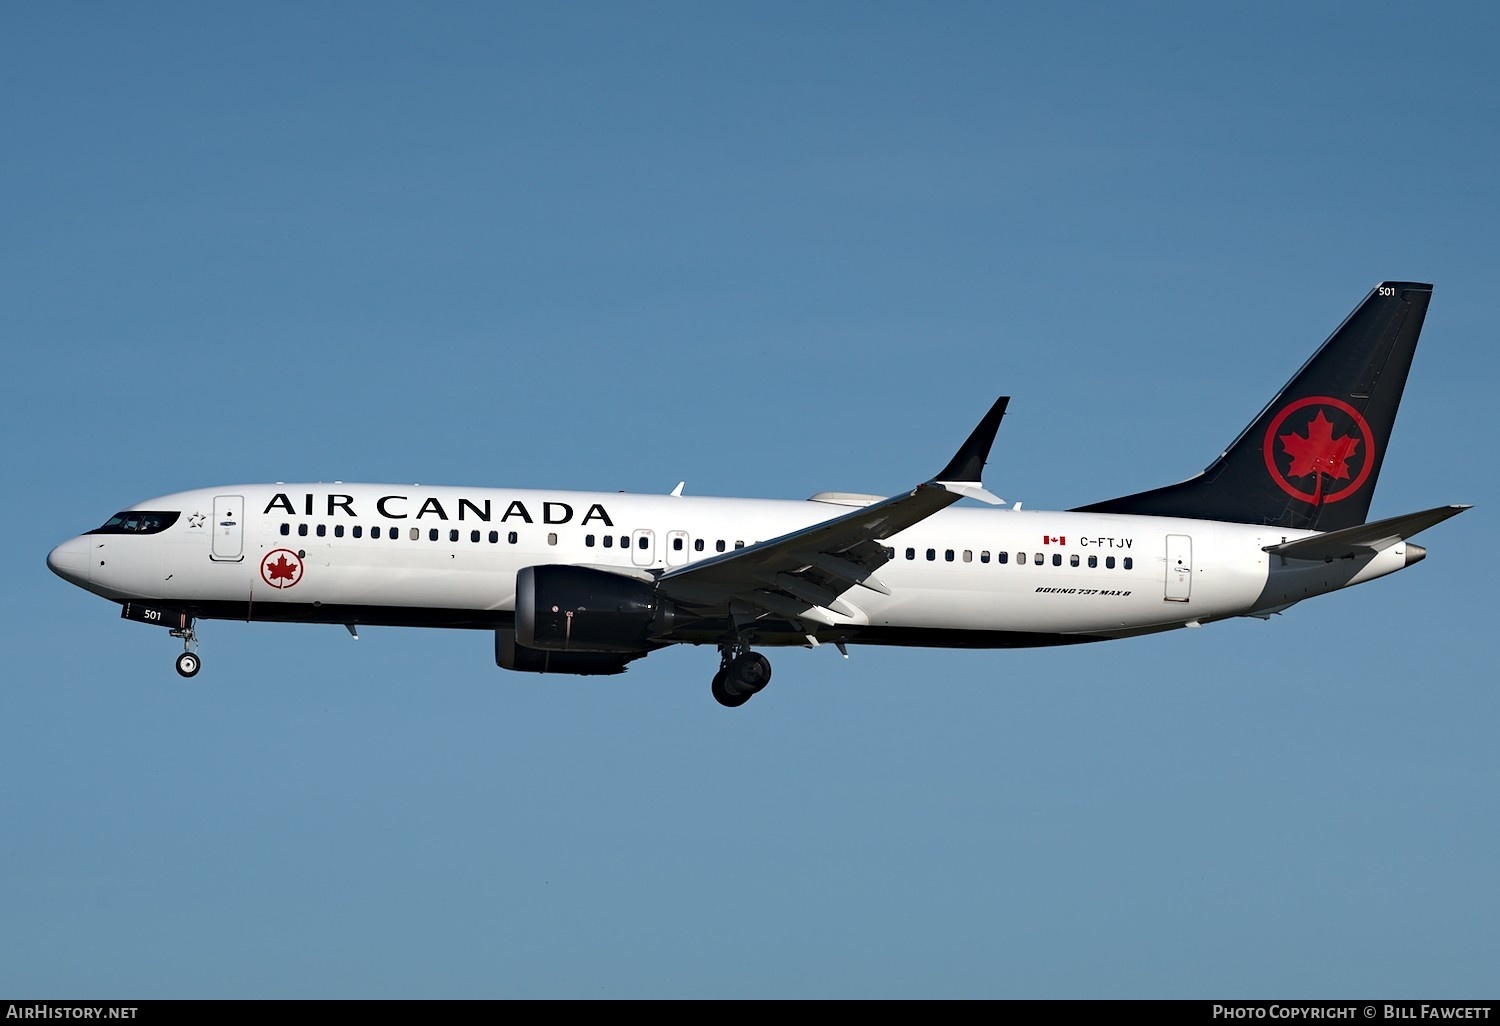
281, 570
1318, 452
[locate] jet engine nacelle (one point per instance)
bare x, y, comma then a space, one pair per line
581, 609
511, 656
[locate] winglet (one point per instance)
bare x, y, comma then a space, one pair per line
967, 465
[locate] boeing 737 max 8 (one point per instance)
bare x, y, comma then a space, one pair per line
587, 582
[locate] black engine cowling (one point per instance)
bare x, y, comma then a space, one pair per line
580, 609
511, 656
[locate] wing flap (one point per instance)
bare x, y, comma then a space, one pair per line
794, 610
853, 572
809, 591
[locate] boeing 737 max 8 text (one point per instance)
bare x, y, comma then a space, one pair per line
587, 582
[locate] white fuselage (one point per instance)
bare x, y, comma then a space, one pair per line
444, 556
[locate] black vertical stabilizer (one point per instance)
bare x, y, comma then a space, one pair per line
1310, 459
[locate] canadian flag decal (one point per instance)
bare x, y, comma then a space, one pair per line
1054, 539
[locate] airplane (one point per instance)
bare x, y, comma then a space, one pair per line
585, 583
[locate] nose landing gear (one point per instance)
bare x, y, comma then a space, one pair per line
188, 664
742, 674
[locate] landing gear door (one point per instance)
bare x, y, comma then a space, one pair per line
229, 528
1179, 567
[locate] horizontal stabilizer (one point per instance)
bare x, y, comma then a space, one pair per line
1363, 539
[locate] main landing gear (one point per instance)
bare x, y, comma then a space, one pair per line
742, 673
188, 664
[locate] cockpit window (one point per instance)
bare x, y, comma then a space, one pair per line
137, 521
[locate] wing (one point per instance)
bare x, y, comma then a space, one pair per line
802, 576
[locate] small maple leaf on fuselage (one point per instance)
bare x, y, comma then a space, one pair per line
1318, 451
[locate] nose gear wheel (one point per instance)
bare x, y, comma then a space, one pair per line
188, 664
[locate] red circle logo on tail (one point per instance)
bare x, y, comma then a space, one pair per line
281, 568
1319, 449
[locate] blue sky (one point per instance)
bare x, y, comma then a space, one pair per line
768, 249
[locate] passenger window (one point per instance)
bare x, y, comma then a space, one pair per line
588, 540
643, 544
338, 530
911, 553
551, 537
1072, 560
931, 555
697, 544
948, 555
676, 544
494, 537
1129, 562
302, 530
375, 532
968, 555
357, 530
984, 555
416, 534
1039, 559
286, 529
1109, 562
1093, 561
453, 534
1020, 559
1002, 557
512, 537
473, 536
739, 544
719, 545
609, 541
1057, 559
432, 535
322, 530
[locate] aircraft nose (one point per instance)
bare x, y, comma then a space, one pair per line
70, 560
